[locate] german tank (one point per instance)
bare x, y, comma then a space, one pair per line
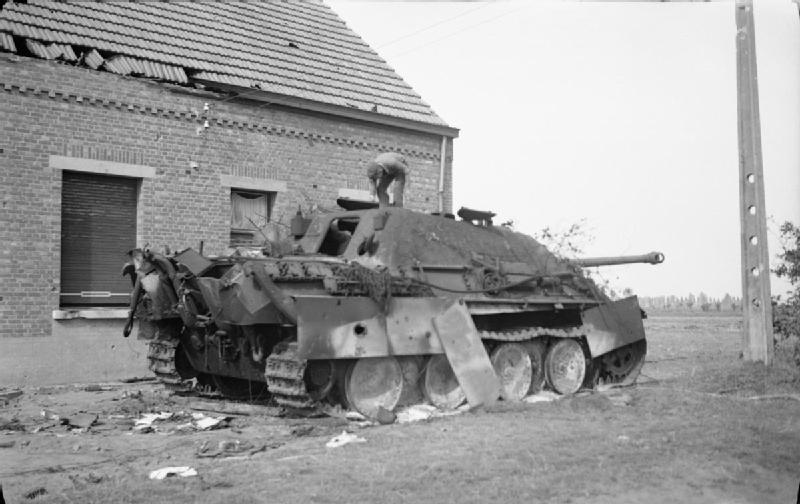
374, 308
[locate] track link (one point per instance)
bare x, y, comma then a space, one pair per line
285, 372
161, 354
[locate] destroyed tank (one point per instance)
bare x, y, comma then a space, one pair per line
374, 308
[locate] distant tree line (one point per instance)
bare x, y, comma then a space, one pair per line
700, 302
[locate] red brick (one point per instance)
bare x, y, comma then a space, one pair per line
251, 139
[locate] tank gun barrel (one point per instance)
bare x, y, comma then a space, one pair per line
590, 262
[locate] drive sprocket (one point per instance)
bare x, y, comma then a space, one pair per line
622, 366
285, 372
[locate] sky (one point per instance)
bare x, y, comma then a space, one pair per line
620, 115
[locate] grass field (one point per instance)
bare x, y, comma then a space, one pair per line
700, 426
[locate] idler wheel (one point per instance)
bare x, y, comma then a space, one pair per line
373, 383
536, 351
566, 366
512, 365
440, 384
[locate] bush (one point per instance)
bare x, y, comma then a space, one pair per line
786, 317
786, 313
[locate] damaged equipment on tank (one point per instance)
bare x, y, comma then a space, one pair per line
380, 307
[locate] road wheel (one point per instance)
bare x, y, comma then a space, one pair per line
512, 365
537, 350
566, 366
373, 383
440, 384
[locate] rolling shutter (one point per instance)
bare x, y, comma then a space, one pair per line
98, 227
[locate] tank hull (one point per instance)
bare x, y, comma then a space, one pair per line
396, 287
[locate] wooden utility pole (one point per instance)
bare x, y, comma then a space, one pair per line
756, 300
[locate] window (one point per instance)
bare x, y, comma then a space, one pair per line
250, 213
98, 227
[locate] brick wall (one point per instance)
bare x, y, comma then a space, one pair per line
47, 108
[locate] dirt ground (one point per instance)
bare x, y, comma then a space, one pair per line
700, 426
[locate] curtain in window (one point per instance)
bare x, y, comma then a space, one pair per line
247, 207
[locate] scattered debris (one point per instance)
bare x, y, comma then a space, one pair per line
50, 415
543, 396
81, 420
236, 408
120, 420
137, 379
232, 447
203, 422
343, 439
98, 388
605, 387
36, 492
167, 472
145, 424
354, 416
132, 394
197, 421
11, 425
420, 412
416, 413
7, 397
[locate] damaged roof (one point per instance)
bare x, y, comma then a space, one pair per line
296, 49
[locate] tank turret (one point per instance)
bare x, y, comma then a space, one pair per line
591, 262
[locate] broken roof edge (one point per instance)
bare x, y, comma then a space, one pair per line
335, 110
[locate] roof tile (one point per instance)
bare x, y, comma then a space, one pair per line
232, 43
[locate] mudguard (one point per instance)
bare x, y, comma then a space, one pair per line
613, 325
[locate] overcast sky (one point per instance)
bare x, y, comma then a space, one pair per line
623, 114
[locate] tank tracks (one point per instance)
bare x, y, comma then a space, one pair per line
161, 357
285, 370
285, 377
161, 354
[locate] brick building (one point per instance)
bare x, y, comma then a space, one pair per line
125, 124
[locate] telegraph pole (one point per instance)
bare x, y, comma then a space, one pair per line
756, 299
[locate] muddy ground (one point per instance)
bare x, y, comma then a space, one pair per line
700, 426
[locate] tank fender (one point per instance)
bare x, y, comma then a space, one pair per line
354, 327
613, 325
